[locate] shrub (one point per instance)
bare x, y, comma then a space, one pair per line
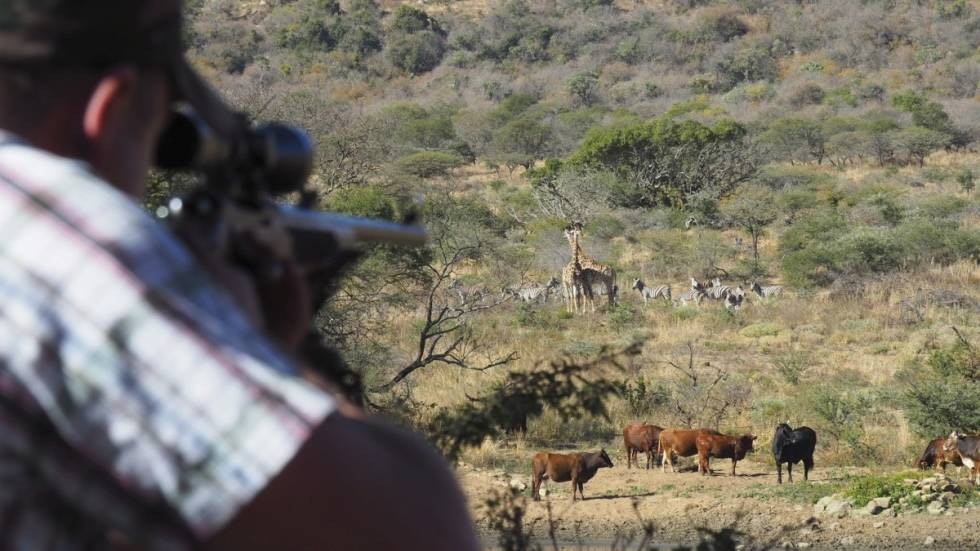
762, 329
867, 487
426, 164
808, 94
415, 53
966, 179
369, 201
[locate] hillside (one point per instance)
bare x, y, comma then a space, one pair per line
825, 146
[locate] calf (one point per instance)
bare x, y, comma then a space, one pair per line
937, 457
792, 446
680, 442
579, 468
640, 437
969, 449
721, 445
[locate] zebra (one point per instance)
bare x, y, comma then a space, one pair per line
734, 298
766, 291
599, 290
695, 294
657, 291
466, 293
534, 292
717, 291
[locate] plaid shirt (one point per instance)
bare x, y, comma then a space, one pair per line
135, 397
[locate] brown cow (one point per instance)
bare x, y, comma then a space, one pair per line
937, 457
722, 445
640, 437
557, 467
681, 442
968, 447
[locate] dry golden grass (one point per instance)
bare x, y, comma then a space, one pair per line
857, 343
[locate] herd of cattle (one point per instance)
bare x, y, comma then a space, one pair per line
789, 446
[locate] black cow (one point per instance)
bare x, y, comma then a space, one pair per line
792, 446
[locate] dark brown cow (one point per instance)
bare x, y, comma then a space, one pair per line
969, 449
576, 467
681, 442
937, 457
640, 437
722, 446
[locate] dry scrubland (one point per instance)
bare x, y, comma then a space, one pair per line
845, 132
776, 353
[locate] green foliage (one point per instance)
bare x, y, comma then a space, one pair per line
426, 164
966, 179
408, 19
797, 139
523, 139
720, 27
369, 201
745, 65
940, 395
842, 414
918, 142
761, 329
416, 43
584, 87
568, 388
792, 366
953, 9
808, 94
416, 52
666, 162
622, 315
864, 488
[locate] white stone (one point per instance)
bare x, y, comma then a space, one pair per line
849, 540
878, 524
929, 540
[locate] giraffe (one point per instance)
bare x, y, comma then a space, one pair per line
590, 271
572, 275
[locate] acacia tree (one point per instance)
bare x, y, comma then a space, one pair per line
752, 208
666, 162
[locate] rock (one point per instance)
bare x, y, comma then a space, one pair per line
518, 484
802, 545
935, 508
929, 541
871, 508
948, 513
878, 524
835, 526
932, 496
947, 496
950, 487
848, 540
839, 509
883, 502
544, 492
889, 512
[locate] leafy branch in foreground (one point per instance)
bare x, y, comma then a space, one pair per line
567, 387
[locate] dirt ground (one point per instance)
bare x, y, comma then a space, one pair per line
679, 503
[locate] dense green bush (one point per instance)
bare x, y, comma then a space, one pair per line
667, 162
426, 164
417, 52
941, 395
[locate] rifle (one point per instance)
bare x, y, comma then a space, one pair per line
246, 175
